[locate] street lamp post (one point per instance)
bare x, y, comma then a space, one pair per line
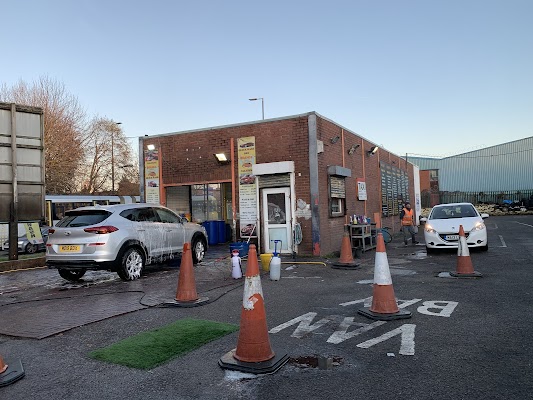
262, 104
113, 158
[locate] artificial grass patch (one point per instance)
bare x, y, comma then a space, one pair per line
150, 349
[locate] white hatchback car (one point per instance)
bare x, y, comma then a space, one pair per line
441, 228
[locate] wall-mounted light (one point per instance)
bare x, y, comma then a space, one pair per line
221, 158
352, 149
335, 139
373, 150
151, 147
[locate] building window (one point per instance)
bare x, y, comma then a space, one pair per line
337, 196
207, 202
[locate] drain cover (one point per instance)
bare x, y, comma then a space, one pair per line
315, 361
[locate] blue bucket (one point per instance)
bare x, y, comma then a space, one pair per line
243, 248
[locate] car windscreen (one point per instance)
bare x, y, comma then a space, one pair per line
78, 218
456, 211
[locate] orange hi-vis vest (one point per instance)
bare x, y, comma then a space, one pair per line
407, 217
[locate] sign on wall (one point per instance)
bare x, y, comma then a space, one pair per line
247, 185
361, 189
151, 176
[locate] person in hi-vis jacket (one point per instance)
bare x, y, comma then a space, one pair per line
407, 217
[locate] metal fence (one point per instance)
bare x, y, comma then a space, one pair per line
524, 197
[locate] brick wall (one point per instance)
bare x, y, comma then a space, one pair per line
187, 158
361, 165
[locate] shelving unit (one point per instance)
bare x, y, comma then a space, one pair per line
359, 233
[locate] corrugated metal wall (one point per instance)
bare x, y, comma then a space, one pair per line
505, 167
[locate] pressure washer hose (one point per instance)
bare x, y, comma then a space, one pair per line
305, 262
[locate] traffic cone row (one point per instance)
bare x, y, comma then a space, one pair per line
10, 373
465, 268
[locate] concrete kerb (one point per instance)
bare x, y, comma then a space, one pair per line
26, 263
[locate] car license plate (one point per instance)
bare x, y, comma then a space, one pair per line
451, 237
69, 248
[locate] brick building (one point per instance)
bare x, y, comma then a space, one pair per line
300, 174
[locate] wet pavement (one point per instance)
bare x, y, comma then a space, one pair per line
38, 303
466, 338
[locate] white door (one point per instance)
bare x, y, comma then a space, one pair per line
277, 220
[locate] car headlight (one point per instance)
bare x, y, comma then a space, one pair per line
479, 226
428, 228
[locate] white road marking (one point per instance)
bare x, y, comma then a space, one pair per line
304, 325
446, 308
523, 224
341, 334
503, 241
407, 303
368, 301
349, 303
407, 347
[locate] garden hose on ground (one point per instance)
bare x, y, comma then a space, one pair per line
305, 262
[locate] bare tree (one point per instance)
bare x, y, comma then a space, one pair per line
64, 121
109, 160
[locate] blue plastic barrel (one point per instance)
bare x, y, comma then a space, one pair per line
243, 248
212, 232
221, 228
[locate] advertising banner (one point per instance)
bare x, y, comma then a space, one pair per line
247, 186
151, 176
33, 232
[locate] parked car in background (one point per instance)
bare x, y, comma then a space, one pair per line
25, 246
122, 238
441, 228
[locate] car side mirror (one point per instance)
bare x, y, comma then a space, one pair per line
484, 216
423, 220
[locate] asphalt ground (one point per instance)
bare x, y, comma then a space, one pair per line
467, 338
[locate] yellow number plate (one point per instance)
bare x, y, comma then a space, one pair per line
68, 248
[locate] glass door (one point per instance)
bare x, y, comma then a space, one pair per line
277, 220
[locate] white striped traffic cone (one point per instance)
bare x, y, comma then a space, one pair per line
465, 269
253, 353
384, 306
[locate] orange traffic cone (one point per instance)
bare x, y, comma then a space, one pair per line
3, 366
186, 295
253, 353
465, 269
10, 373
346, 260
384, 306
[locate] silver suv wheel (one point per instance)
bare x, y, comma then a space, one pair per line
132, 265
198, 250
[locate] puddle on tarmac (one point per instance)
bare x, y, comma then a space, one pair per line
396, 271
418, 255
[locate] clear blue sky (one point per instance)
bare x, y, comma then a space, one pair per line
426, 77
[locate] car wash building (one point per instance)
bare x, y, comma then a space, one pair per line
297, 180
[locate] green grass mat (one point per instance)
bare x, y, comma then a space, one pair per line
150, 349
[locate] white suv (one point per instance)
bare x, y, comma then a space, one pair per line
122, 238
